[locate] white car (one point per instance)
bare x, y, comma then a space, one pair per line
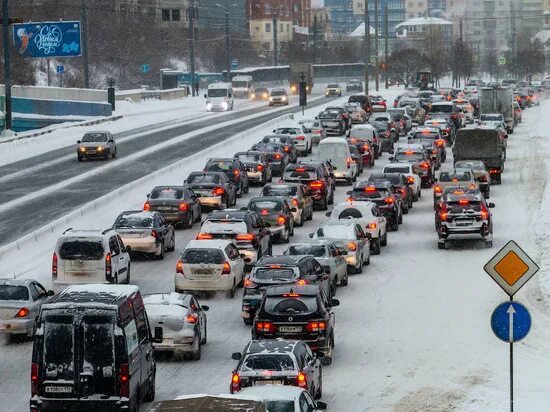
328, 254
300, 135
411, 171
98, 145
210, 265
351, 236
89, 256
368, 216
282, 398
182, 320
314, 129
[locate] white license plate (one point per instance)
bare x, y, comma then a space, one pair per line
268, 382
464, 222
202, 271
168, 342
58, 389
290, 329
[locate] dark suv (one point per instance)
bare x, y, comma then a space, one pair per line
317, 180
381, 193
400, 185
302, 313
233, 169
278, 270
363, 100
244, 226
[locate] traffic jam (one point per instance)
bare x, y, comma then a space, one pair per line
275, 232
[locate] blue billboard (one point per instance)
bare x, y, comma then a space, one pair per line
47, 39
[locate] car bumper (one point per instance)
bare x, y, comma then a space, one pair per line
184, 342
301, 147
343, 175
222, 283
77, 405
276, 102
255, 176
277, 230
95, 154
477, 230
352, 260
141, 245
175, 217
16, 326
211, 201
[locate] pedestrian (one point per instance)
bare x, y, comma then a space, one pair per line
197, 88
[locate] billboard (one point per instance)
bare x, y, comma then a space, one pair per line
47, 39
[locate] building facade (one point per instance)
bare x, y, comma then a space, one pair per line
415, 8
436, 8
530, 16
211, 14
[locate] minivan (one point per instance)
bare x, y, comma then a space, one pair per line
219, 97
93, 351
336, 151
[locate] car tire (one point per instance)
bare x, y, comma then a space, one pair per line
344, 281
441, 245
150, 396
488, 243
319, 391
419, 193
405, 212
160, 256
367, 262
359, 270
377, 246
80, 159
286, 238
231, 292
324, 204
395, 225
247, 321
301, 221
189, 223
172, 246
114, 154
128, 274
197, 354
331, 198
310, 216
400, 221
384, 240
240, 193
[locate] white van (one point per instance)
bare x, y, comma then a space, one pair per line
89, 256
243, 86
336, 151
219, 97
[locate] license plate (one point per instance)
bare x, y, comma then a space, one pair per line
164, 208
58, 389
202, 271
268, 382
168, 342
80, 274
290, 329
3, 327
463, 222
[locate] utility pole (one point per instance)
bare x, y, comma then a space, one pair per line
84, 28
367, 44
191, 40
227, 43
7, 71
315, 39
514, 39
386, 35
376, 21
275, 45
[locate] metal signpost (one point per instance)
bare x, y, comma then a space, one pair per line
511, 268
303, 92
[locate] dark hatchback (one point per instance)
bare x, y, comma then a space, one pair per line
315, 178
233, 169
298, 312
178, 204
288, 144
400, 185
381, 193
276, 155
257, 166
214, 189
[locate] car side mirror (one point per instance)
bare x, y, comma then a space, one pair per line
368, 236
158, 335
149, 194
293, 209
311, 235
110, 141
205, 308
328, 214
491, 205
334, 302
320, 406
436, 179
127, 249
343, 253
348, 192
50, 293
274, 130
333, 168
236, 356
243, 208
391, 158
205, 96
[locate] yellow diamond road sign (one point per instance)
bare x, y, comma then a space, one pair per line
511, 268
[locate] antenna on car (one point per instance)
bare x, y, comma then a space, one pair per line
68, 230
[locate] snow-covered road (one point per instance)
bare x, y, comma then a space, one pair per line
412, 331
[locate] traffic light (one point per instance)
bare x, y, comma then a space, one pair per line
383, 66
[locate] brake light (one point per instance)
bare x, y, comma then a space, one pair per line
352, 246
369, 189
317, 184
438, 189
295, 203
124, 380
301, 380
424, 165
184, 207
108, 266
204, 236
248, 283
463, 202
440, 143
278, 156
291, 295
54, 266
313, 326
482, 179
34, 378
371, 226
235, 382
218, 191
192, 318
300, 137
236, 172
155, 234
348, 162
146, 206
494, 171
226, 268
434, 151
21, 313
443, 216
264, 212
410, 179
389, 200
245, 237
409, 152
281, 220
286, 149
268, 327
179, 267
302, 282
260, 168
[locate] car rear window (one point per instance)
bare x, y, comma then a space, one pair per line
425, 135
204, 179
268, 362
99, 352
279, 405
207, 256
459, 207
249, 158
279, 190
313, 250
301, 174
454, 177
220, 166
14, 292
396, 169
261, 205
335, 232
59, 347
282, 305
363, 194
81, 250
275, 273
227, 226
166, 193
441, 108
350, 213
136, 221
408, 157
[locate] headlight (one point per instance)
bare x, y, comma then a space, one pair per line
284, 99
264, 95
253, 96
293, 88
271, 99
208, 106
82, 149
100, 148
225, 105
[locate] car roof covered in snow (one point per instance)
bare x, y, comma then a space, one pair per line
105, 294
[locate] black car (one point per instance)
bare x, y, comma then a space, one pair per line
260, 93
345, 113
299, 197
400, 185
257, 166
287, 142
244, 226
354, 85
298, 312
418, 157
279, 270
357, 157
276, 214
385, 136
363, 100
233, 169
178, 204
333, 121
276, 155
381, 193
214, 189
277, 361
315, 178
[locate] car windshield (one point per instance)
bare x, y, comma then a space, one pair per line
166, 193
283, 305
278, 93
275, 272
206, 178
239, 83
81, 250
261, 205
14, 292
206, 256
249, 158
333, 86
268, 362
95, 137
313, 250
279, 405
408, 157
136, 221
336, 232
218, 92
441, 108
280, 190
396, 169
454, 177
220, 166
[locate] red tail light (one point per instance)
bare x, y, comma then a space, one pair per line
278, 156
301, 380
389, 200
348, 162
438, 189
264, 212
424, 165
352, 246
193, 319
226, 268
366, 147
155, 234
300, 137
268, 327
302, 282
313, 326
281, 220
21, 313
494, 171
440, 143
235, 382
54, 266
483, 179
371, 226
204, 236
318, 131
317, 184
248, 283
179, 267
410, 179
260, 168
108, 266
443, 216
286, 149
246, 237
218, 191
236, 172
34, 378
184, 207
124, 380
463, 202
146, 206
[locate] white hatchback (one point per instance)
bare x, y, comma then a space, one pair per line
300, 135
210, 266
411, 171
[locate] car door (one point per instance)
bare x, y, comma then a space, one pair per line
312, 366
164, 227
306, 200
147, 361
362, 240
262, 233
322, 279
39, 295
339, 261
236, 262
381, 219
118, 259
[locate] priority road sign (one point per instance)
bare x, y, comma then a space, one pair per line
511, 322
511, 268
373, 59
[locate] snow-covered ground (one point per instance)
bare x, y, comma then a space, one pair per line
412, 331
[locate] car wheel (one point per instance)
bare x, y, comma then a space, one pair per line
310, 216
240, 192
331, 198
324, 204
419, 193
344, 281
301, 221
172, 246
150, 396
395, 225
114, 154
384, 241
160, 256
291, 230
247, 321
319, 392
441, 245
488, 243
400, 221
377, 246
196, 355
80, 159
231, 292
286, 238
190, 221
358, 270
128, 274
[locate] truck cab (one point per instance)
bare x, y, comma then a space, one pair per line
219, 97
242, 86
